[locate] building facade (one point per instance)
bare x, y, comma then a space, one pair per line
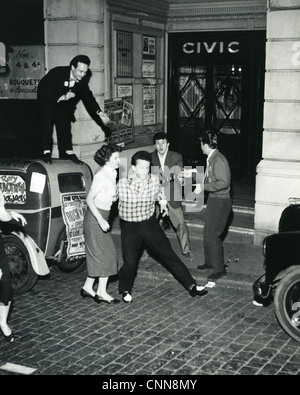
177, 66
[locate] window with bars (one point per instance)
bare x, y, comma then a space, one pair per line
124, 54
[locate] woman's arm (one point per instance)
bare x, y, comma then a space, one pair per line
94, 210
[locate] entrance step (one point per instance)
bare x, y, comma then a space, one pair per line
240, 229
241, 222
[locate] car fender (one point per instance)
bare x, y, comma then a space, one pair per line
37, 257
285, 272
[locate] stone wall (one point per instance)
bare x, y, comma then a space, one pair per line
74, 27
216, 16
278, 174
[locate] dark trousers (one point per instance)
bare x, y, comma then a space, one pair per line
182, 233
133, 235
60, 116
215, 220
177, 220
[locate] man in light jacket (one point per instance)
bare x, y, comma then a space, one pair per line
217, 183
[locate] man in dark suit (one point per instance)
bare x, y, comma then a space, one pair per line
58, 93
217, 184
169, 165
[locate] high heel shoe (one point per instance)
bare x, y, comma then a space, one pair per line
85, 294
98, 299
10, 338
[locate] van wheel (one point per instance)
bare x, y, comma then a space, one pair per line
23, 275
287, 303
65, 264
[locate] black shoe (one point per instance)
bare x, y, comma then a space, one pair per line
126, 297
47, 158
203, 267
98, 299
216, 276
72, 157
193, 291
85, 294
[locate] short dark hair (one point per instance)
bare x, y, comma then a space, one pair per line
142, 155
209, 137
160, 136
80, 58
104, 153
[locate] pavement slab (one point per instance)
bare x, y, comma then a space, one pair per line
162, 332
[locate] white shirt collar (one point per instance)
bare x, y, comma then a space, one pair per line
162, 158
71, 76
208, 156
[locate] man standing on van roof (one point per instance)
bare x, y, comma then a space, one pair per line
58, 93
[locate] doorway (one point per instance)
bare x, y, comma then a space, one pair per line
216, 80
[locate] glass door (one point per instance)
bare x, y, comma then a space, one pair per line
216, 80
210, 97
228, 110
192, 111
192, 88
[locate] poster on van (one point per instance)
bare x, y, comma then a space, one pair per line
73, 210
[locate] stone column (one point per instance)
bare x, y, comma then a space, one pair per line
74, 27
278, 173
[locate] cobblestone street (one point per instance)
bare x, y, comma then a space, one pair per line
162, 332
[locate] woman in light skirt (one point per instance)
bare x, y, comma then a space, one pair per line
101, 254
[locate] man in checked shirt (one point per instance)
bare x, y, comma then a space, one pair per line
137, 196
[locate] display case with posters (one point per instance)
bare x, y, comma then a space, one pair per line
120, 112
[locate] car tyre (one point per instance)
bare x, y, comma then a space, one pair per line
23, 276
287, 303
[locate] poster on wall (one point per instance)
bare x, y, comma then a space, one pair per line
149, 105
148, 45
148, 63
124, 91
148, 68
25, 67
73, 209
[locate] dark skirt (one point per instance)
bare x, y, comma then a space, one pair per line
6, 290
100, 251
